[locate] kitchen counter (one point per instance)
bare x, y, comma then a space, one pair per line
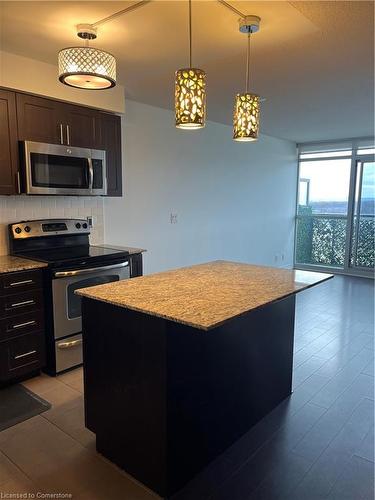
165, 399
10, 264
206, 295
131, 250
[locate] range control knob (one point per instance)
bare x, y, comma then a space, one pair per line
84, 225
27, 229
18, 230
78, 225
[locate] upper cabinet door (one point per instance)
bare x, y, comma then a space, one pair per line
40, 120
111, 140
82, 127
8, 143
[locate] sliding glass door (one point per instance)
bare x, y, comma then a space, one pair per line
335, 209
361, 256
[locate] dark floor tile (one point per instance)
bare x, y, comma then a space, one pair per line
274, 459
366, 448
343, 379
356, 481
304, 371
333, 420
325, 472
282, 479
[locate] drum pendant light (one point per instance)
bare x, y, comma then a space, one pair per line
190, 93
247, 105
87, 67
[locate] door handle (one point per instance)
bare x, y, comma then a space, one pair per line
68, 345
91, 173
64, 274
18, 178
68, 135
61, 134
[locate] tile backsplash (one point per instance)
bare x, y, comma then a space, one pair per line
17, 208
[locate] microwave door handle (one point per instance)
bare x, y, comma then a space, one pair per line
91, 173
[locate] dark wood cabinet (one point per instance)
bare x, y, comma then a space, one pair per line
8, 143
40, 119
136, 265
110, 126
82, 127
48, 120
22, 350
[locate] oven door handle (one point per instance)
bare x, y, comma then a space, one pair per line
79, 272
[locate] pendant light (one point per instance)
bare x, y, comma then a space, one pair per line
87, 67
247, 105
190, 93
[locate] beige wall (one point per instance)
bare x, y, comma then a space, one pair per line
30, 75
233, 201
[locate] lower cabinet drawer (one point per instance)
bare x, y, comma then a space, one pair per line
19, 325
21, 355
20, 281
12, 305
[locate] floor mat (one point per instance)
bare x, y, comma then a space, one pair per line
18, 404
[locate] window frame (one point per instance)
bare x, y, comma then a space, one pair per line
354, 157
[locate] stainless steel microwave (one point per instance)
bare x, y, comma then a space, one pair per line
63, 170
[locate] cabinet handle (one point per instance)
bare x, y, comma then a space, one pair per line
18, 182
24, 355
24, 303
22, 325
61, 134
18, 283
68, 135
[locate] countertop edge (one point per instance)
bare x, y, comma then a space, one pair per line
203, 327
18, 264
131, 250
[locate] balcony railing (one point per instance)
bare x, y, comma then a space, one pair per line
321, 240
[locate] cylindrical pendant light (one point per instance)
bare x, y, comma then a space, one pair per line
87, 67
247, 105
190, 93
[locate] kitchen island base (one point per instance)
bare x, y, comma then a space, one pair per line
165, 399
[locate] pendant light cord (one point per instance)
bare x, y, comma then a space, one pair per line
248, 61
190, 44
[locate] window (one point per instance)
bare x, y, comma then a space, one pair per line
329, 229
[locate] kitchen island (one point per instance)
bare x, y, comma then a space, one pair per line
179, 365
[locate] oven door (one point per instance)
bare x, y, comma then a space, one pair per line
67, 305
57, 169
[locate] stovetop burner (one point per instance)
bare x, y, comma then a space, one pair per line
74, 254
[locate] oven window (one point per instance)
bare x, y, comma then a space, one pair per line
74, 301
59, 171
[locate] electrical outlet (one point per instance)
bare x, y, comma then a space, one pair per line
173, 218
91, 220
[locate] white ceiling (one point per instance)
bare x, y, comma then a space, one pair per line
312, 61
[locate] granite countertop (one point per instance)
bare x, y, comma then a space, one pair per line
131, 250
206, 295
10, 264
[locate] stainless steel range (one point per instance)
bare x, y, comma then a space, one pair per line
72, 264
